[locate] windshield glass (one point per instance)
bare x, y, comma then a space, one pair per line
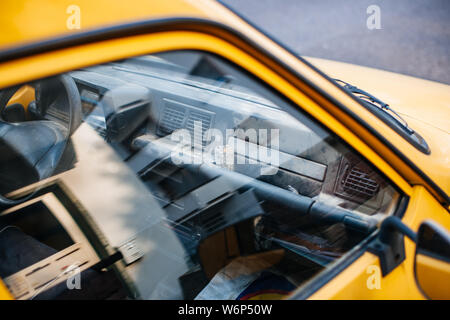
184, 178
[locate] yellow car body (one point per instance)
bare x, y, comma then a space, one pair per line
36, 43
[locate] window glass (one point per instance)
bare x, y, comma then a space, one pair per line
209, 184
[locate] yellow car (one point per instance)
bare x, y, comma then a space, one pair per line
170, 150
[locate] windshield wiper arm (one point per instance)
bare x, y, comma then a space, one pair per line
375, 102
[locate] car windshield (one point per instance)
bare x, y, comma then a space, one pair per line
176, 176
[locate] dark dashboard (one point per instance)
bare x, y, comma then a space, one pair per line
154, 104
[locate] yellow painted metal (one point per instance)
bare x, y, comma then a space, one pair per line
25, 21
23, 96
433, 276
4, 293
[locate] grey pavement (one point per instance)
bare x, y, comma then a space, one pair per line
414, 38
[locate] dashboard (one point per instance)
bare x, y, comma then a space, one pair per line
130, 106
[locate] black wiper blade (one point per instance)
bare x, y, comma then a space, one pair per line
364, 96
357, 90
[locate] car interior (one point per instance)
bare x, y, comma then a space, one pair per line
174, 176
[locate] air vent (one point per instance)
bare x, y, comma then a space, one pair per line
202, 118
171, 120
358, 183
177, 115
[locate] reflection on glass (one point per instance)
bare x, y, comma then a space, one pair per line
225, 191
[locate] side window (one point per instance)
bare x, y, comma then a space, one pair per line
221, 188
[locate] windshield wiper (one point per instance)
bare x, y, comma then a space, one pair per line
375, 102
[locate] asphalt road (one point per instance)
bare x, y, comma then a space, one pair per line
414, 38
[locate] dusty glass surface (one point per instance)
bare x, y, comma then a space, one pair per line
246, 196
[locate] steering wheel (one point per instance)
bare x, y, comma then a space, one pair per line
31, 151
